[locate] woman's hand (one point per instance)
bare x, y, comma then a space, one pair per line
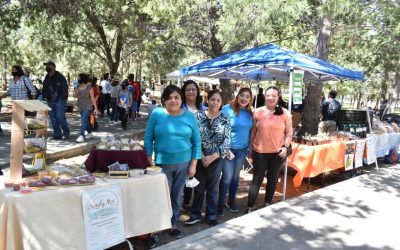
207, 160
282, 152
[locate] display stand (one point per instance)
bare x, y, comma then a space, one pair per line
17, 133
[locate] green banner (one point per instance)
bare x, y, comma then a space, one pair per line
298, 76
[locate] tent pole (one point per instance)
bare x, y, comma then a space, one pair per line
369, 119
290, 111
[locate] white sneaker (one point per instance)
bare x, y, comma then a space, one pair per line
80, 139
88, 135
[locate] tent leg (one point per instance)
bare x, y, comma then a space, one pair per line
290, 111
285, 180
369, 120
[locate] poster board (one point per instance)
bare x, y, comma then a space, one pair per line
349, 155
360, 148
103, 217
370, 150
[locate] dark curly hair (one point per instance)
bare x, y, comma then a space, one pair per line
168, 91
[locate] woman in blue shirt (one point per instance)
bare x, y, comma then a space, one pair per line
174, 136
241, 119
215, 132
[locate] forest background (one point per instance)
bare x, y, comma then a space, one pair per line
154, 37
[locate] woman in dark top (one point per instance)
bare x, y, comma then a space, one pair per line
215, 132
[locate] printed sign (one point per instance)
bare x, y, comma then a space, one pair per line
103, 217
371, 153
298, 76
349, 155
360, 146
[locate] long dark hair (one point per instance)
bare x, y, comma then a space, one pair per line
278, 107
168, 91
235, 103
198, 96
19, 70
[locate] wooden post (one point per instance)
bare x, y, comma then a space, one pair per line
17, 143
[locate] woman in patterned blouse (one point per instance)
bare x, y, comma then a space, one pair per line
215, 132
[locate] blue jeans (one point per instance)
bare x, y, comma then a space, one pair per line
231, 175
176, 175
209, 182
85, 122
58, 119
114, 107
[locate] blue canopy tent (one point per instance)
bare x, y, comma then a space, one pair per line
272, 62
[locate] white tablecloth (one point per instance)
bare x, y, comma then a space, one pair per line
53, 219
385, 142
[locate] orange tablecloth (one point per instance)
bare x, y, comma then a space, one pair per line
310, 161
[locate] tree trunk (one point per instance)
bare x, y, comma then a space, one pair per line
359, 97
394, 94
312, 106
227, 90
4, 75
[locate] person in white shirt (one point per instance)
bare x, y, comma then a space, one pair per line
106, 91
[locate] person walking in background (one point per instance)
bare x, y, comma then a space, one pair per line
19, 85
124, 100
192, 102
171, 125
106, 91
215, 132
330, 111
269, 142
114, 90
85, 100
259, 101
134, 89
55, 92
96, 94
151, 107
240, 114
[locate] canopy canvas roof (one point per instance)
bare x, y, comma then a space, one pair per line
176, 76
270, 62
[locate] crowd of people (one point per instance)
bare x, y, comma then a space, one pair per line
119, 100
211, 144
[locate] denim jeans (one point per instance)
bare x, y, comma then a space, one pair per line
85, 122
58, 119
231, 175
268, 165
176, 175
114, 107
209, 182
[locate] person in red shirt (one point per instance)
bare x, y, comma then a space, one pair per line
96, 94
133, 87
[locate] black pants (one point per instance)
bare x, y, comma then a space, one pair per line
106, 104
209, 185
123, 116
268, 165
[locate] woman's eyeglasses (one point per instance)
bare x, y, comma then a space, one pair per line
190, 90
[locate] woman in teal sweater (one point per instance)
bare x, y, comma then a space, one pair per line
173, 134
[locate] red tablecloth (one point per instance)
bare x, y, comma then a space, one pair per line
99, 159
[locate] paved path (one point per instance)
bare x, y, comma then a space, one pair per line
69, 148
360, 213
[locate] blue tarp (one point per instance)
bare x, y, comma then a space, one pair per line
270, 62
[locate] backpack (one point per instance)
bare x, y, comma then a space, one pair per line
29, 93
